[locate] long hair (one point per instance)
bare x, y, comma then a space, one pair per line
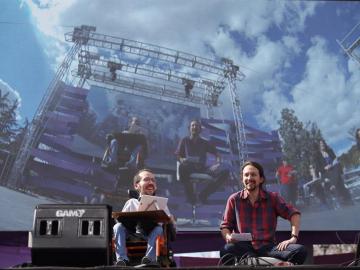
257, 166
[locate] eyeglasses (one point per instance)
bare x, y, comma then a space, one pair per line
148, 179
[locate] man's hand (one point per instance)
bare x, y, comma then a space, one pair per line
229, 239
283, 245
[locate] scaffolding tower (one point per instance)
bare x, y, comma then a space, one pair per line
137, 68
351, 43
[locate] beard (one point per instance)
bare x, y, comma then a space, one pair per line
149, 192
251, 186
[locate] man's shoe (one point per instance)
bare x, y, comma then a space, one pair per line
122, 263
146, 260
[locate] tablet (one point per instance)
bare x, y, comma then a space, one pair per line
242, 236
150, 203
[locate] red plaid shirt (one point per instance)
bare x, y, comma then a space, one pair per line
260, 220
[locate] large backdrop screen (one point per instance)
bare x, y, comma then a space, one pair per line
66, 166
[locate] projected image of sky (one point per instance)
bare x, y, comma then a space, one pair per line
288, 51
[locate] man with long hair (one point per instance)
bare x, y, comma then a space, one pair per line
255, 210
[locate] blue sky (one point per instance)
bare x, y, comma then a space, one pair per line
287, 50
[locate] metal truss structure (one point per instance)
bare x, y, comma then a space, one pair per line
351, 43
137, 68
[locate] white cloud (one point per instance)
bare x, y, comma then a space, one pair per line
325, 96
47, 15
182, 25
273, 102
297, 13
269, 62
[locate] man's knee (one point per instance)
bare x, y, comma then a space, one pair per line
118, 227
157, 231
297, 254
229, 249
184, 172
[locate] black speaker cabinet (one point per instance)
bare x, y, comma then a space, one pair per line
71, 235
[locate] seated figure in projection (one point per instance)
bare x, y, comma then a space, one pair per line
192, 155
110, 159
125, 153
254, 210
145, 183
125, 150
331, 169
136, 128
128, 148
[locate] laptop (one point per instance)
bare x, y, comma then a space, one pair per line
151, 203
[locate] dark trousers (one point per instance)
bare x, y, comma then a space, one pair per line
294, 253
289, 192
219, 172
335, 176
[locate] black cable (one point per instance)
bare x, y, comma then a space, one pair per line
357, 252
356, 260
232, 257
347, 263
266, 261
244, 258
339, 238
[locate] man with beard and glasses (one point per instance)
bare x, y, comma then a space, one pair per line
145, 184
254, 210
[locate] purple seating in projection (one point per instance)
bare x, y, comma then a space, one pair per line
56, 140
61, 124
85, 170
261, 146
64, 161
59, 127
207, 131
66, 110
81, 92
50, 178
64, 171
64, 117
218, 141
72, 103
68, 189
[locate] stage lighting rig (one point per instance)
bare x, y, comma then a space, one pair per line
351, 43
82, 34
113, 67
177, 72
